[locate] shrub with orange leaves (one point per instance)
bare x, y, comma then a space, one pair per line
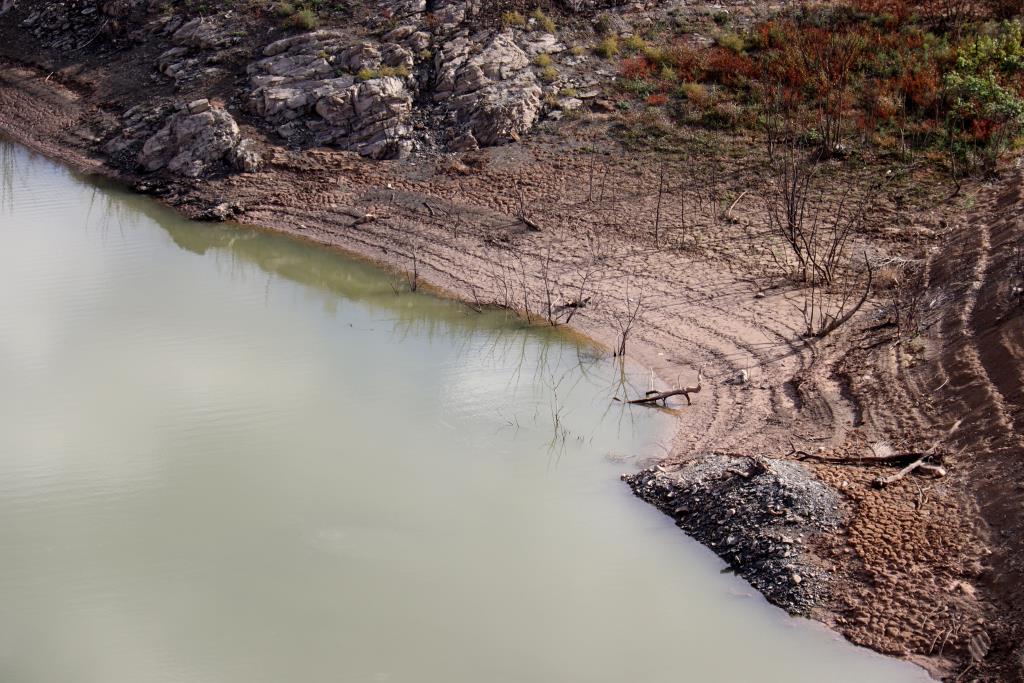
922, 86
687, 61
636, 68
729, 68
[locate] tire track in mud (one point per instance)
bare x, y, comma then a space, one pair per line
964, 368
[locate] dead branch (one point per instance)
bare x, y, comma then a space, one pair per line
521, 209
882, 482
755, 465
841, 317
663, 396
920, 464
893, 459
925, 461
728, 213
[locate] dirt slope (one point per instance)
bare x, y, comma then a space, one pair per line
926, 568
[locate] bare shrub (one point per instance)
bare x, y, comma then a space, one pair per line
817, 226
632, 312
905, 300
827, 307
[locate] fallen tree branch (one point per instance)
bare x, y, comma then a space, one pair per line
755, 465
663, 396
920, 463
882, 482
728, 213
913, 461
867, 461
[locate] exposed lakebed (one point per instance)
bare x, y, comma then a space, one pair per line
229, 456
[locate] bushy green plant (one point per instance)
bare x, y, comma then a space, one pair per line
695, 92
658, 56
549, 74
543, 21
730, 41
985, 109
634, 44
608, 48
1002, 51
973, 96
513, 20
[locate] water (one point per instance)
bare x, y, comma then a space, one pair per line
227, 456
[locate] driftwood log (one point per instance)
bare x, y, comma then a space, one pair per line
925, 461
865, 460
655, 396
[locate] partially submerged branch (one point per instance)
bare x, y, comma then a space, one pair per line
652, 397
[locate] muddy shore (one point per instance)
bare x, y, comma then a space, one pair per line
910, 570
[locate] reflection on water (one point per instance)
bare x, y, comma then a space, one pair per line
228, 456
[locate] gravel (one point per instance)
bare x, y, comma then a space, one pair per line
758, 515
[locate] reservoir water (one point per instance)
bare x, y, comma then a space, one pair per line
226, 456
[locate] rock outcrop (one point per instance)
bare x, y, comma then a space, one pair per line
493, 94
322, 86
192, 141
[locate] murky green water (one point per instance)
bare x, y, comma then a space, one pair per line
227, 456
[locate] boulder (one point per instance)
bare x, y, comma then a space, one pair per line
305, 85
246, 156
504, 113
188, 144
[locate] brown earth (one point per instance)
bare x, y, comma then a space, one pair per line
924, 566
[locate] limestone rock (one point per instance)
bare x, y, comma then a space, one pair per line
493, 93
369, 117
188, 144
201, 33
246, 156
306, 85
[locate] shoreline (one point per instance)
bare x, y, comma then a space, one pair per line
753, 416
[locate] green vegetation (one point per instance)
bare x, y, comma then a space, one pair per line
898, 80
731, 41
634, 44
549, 74
543, 59
513, 20
607, 48
543, 21
305, 19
